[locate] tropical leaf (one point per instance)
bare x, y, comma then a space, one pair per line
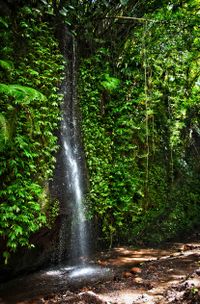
22, 94
110, 83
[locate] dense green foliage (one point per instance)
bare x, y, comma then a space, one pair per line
31, 71
141, 128
138, 87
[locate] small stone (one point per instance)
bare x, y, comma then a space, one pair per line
175, 254
198, 271
91, 297
185, 247
127, 274
102, 263
135, 270
138, 280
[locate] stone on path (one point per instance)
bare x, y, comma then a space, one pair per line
135, 270
91, 297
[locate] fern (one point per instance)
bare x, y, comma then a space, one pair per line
6, 65
22, 94
3, 23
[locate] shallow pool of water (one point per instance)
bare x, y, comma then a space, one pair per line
52, 280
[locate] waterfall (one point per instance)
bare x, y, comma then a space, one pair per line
78, 226
72, 168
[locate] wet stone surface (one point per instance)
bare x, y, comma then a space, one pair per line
51, 281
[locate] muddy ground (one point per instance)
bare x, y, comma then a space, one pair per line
140, 276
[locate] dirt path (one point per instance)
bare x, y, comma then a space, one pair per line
148, 275
141, 276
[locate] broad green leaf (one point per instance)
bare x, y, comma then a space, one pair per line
22, 94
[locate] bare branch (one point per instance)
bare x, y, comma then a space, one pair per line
130, 18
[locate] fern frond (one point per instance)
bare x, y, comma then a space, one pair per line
22, 94
6, 65
3, 23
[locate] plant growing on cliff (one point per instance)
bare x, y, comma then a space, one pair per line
30, 78
142, 138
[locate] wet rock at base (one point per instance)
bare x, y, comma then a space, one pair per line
91, 297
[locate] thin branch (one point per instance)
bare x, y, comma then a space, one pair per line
130, 18
145, 58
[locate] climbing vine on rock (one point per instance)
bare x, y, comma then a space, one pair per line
31, 72
141, 128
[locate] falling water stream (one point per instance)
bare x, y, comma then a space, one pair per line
72, 167
78, 227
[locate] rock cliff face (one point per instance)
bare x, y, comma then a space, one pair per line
52, 246
28, 260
